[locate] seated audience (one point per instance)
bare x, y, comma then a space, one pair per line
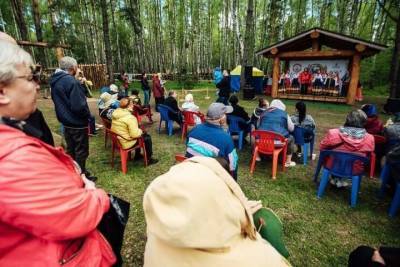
229, 238
189, 105
171, 102
351, 137
211, 140
392, 131
305, 121
39, 225
374, 125
126, 125
239, 111
275, 119
258, 111
365, 256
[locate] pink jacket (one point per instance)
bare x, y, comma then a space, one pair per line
334, 139
46, 215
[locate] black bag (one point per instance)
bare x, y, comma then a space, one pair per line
113, 224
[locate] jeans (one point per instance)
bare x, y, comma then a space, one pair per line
77, 145
146, 94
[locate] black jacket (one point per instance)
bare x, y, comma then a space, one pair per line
224, 87
172, 103
69, 100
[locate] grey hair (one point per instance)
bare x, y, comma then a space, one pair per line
356, 118
11, 55
67, 63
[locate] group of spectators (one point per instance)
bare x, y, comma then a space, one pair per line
50, 210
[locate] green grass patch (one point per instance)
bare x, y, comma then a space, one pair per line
317, 232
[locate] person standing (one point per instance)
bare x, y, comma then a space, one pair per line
72, 111
145, 88
158, 90
305, 81
224, 87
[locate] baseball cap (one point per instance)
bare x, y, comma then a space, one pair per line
217, 110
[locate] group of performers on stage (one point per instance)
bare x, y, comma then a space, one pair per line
318, 83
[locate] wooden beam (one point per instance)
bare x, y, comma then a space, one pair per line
314, 54
360, 47
41, 44
355, 76
315, 46
274, 51
275, 77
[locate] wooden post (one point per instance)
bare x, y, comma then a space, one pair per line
59, 53
275, 77
355, 76
314, 41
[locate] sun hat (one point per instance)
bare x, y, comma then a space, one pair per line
114, 88
217, 110
106, 99
276, 103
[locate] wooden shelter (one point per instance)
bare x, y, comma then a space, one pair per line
320, 44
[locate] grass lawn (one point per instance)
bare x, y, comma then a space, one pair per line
317, 232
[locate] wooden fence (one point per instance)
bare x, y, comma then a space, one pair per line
97, 73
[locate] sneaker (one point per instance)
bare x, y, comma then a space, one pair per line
258, 159
299, 155
313, 156
290, 164
345, 184
152, 161
333, 181
339, 184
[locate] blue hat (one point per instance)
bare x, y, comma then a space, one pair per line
370, 110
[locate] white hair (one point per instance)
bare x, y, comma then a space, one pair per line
11, 55
189, 98
67, 63
276, 103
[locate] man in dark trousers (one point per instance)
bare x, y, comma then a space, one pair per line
72, 111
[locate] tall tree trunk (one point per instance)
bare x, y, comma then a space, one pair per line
118, 49
394, 77
107, 44
38, 29
17, 7
248, 40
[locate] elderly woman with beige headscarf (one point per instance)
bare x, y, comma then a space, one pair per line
197, 216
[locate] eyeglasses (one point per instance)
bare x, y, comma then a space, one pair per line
33, 77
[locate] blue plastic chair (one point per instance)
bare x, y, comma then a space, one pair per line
298, 135
342, 166
385, 176
164, 116
234, 128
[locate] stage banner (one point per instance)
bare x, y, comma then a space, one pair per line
327, 66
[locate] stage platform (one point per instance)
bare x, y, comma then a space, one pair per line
321, 98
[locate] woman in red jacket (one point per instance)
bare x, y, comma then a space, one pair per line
305, 80
48, 212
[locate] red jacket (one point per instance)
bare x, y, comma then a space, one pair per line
334, 139
158, 90
374, 126
305, 77
46, 214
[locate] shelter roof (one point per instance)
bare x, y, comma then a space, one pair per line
334, 40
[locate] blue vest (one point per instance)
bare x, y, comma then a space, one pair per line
274, 120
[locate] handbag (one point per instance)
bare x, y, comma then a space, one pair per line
112, 225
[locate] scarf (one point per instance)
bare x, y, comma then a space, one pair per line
356, 133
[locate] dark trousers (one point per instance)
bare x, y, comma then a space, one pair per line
148, 145
176, 117
77, 145
159, 100
92, 125
303, 88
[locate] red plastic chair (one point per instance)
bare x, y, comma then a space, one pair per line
139, 112
125, 153
189, 120
180, 157
269, 143
378, 140
107, 126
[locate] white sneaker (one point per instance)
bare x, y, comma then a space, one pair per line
339, 184
313, 156
290, 164
299, 155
